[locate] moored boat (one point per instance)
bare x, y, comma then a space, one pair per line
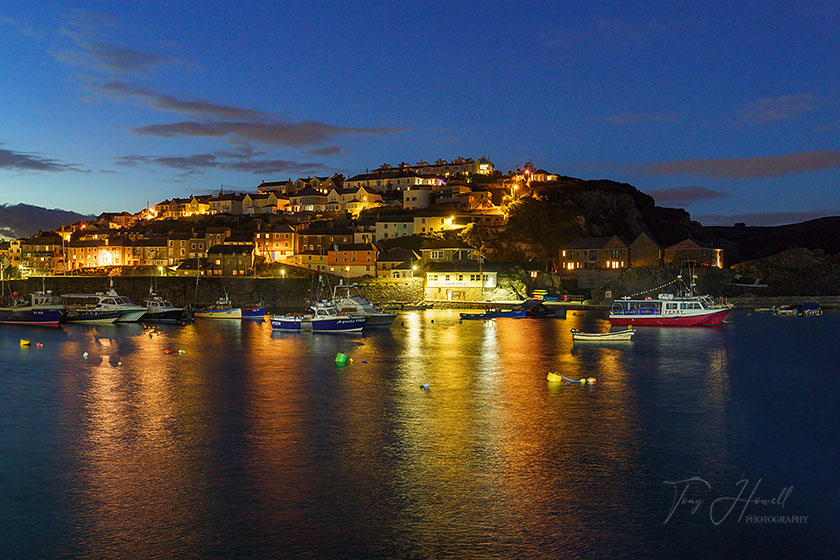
324, 318
625, 335
93, 316
41, 309
224, 309
495, 313
161, 310
109, 301
355, 304
668, 311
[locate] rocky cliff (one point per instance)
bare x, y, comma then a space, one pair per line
797, 271
551, 215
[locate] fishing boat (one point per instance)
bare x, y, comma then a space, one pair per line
611, 336
41, 308
324, 317
161, 310
92, 316
109, 301
355, 304
495, 313
224, 309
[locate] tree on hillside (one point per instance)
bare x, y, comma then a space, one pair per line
545, 226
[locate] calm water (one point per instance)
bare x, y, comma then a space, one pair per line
255, 444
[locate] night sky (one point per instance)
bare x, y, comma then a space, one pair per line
732, 112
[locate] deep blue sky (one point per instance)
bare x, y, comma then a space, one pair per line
734, 109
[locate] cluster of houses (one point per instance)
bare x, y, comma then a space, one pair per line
614, 253
405, 186
315, 223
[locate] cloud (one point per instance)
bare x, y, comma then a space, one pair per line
764, 218
83, 28
741, 168
23, 161
685, 195
242, 162
771, 109
325, 151
164, 102
280, 133
636, 118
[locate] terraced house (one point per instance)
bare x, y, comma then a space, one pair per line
275, 244
352, 260
595, 252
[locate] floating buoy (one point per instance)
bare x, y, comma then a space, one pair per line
364, 361
119, 363
167, 351
25, 342
341, 358
38, 345
182, 351
425, 386
554, 377
590, 380
85, 355
749, 314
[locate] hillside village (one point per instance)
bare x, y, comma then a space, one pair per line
450, 222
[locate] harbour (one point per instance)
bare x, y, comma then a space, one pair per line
170, 440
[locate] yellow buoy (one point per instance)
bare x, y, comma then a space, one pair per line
25, 342
554, 377
590, 380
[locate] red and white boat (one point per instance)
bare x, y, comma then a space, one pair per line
669, 311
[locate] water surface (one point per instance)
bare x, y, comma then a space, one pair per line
254, 443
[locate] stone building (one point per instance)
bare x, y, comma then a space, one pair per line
644, 251
595, 252
230, 260
692, 252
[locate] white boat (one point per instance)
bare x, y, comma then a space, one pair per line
324, 318
128, 311
626, 334
355, 304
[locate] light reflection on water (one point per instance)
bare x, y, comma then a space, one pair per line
255, 443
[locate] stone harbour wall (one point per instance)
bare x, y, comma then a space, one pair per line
284, 293
393, 290
291, 293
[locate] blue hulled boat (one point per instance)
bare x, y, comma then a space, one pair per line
324, 318
41, 309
